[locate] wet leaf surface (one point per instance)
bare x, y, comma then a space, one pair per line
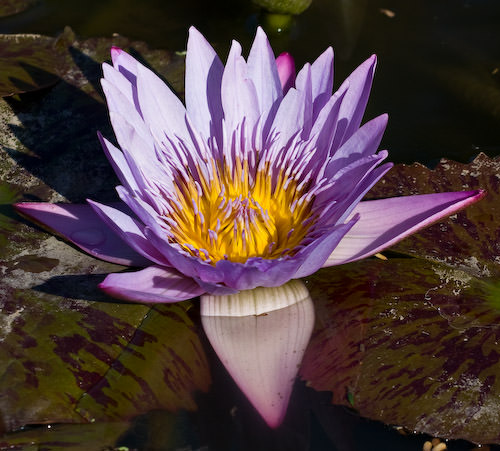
28, 63
67, 353
426, 361
470, 239
414, 341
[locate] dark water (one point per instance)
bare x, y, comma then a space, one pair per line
439, 65
438, 78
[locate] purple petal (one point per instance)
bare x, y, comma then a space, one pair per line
263, 72
123, 62
118, 102
83, 227
203, 86
184, 263
303, 83
286, 71
362, 143
322, 80
346, 179
384, 222
154, 284
138, 150
119, 163
325, 125
316, 253
257, 272
291, 117
239, 97
161, 108
130, 230
262, 353
354, 104
122, 83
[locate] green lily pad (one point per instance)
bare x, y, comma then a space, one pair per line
74, 360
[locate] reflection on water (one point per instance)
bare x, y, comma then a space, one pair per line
262, 349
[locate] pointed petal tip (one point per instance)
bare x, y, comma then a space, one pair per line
114, 292
26, 207
115, 51
286, 71
193, 32
477, 195
374, 233
260, 33
272, 420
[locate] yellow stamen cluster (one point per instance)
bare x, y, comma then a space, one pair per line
232, 215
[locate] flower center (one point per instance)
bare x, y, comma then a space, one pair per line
234, 213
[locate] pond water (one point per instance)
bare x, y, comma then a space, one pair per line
438, 77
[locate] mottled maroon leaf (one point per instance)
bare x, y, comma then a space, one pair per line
414, 342
68, 353
427, 360
469, 239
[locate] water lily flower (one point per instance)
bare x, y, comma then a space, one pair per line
253, 182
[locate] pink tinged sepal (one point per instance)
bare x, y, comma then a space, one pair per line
260, 335
154, 284
286, 71
82, 226
384, 222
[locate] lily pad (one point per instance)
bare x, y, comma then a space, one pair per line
66, 437
58, 127
28, 63
74, 360
414, 341
470, 239
10, 7
67, 354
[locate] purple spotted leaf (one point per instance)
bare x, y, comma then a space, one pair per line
414, 341
469, 239
67, 354
73, 359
